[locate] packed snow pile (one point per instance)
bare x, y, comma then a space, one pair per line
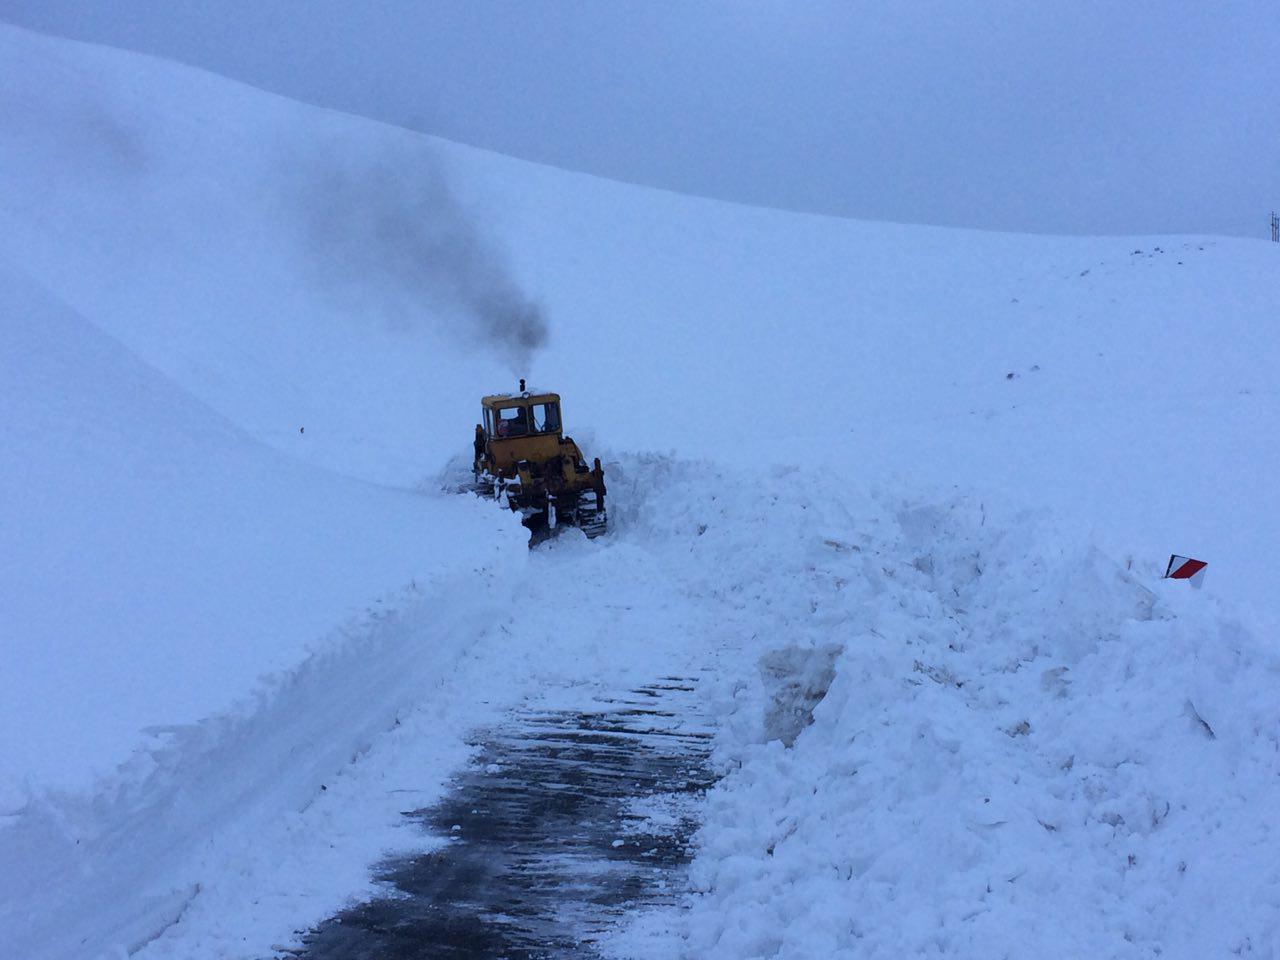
1026, 748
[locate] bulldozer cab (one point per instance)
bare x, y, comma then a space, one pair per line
524, 426
535, 416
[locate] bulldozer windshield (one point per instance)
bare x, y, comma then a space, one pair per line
512, 422
523, 421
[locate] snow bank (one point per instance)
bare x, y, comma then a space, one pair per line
156, 562
198, 792
172, 593
1026, 748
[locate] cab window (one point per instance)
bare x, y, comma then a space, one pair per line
512, 422
546, 417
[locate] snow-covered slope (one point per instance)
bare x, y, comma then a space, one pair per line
156, 560
285, 264
243, 336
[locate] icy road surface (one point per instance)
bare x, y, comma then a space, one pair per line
563, 824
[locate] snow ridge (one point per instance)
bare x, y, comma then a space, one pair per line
157, 825
1027, 749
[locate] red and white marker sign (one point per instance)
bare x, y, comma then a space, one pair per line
1185, 568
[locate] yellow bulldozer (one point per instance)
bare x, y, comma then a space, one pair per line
523, 458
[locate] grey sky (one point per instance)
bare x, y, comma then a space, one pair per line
1075, 116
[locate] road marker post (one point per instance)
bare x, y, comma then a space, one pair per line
1186, 568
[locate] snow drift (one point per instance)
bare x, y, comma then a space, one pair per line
1022, 747
157, 560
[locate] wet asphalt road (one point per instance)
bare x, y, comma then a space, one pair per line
546, 849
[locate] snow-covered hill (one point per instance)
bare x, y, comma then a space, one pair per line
284, 263
243, 338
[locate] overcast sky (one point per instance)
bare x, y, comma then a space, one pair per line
1072, 116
